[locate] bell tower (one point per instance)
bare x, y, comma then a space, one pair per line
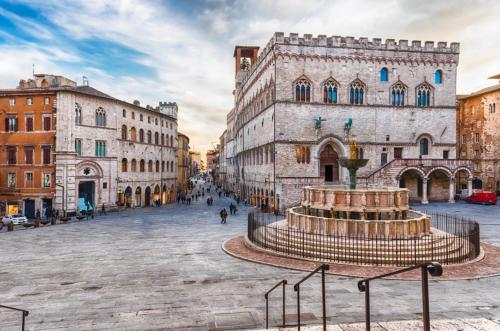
244, 59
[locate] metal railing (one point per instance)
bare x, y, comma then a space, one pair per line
296, 287
283, 282
434, 269
24, 312
453, 240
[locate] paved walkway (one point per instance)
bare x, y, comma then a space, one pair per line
163, 269
478, 324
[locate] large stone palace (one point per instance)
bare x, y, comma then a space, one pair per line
294, 100
73, 148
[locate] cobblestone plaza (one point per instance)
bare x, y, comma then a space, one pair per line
163, 268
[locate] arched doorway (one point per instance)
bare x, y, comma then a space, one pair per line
138, 196
164, 195
147, 197
412, 179
128, 196
329, 164
86, 196
438, 185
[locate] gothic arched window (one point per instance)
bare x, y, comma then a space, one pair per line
150, 166
142, 165
157, 166
330, 91
357, 93
78, 113
124, 132
133, 165
124, 165
384, 75
100, 117
133, 136
149, 137
423, 95
157, 139
141, 135
398, 94
303, 90
438, 77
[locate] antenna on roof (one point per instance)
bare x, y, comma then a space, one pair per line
33, 70
85, 81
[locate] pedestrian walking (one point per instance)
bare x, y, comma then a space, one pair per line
103, 210
223, 216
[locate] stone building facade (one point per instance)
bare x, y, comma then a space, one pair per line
183, 163
478, 133
293, 100
111, 152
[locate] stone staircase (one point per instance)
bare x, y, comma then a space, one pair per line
443, 248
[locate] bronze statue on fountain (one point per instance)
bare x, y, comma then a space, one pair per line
353, 163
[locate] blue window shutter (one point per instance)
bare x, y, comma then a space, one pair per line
438, 77
384, 75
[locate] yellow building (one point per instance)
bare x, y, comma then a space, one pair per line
183, 162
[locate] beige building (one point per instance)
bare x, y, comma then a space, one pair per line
111, 152
293, 99
478, 130
195, 167
183, 163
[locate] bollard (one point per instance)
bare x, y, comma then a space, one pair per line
53, 221
36, 223
10, 226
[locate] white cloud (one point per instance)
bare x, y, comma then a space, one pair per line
191, 56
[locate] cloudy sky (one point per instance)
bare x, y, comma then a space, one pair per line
182, 50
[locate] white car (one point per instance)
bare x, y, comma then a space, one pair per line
16, 219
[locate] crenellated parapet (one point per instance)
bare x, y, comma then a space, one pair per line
365, 43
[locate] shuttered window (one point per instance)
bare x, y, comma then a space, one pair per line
46, 123
28, 153
29, 124
46, 154
11, 155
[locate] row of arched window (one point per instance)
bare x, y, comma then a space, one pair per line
492, 108
258, 156
151, 166
257, 103
159, 139
357, 93
100, 115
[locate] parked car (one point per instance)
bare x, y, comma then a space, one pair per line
482, 197
15, 218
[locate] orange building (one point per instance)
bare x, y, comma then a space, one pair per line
478, 136
27, 140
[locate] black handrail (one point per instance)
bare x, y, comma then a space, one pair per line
25, 313
434, 269
296, 288
284, 282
